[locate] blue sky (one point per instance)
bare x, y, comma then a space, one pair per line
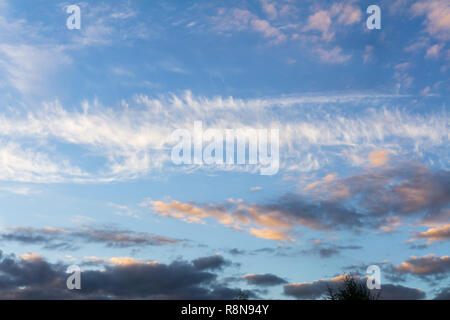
86, 120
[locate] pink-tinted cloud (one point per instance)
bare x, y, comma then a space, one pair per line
437, 17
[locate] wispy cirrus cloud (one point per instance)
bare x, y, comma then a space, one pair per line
136, 138
32, 57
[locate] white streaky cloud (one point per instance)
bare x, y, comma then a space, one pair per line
23, 191
29, 166
25, 66
135, 139
29, 56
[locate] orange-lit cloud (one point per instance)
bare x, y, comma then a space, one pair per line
374, 198
31, 256
426, 265
391, 224
270, 234
441, 233
378, 158
127, 261
268, 225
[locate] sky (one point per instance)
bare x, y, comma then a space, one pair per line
87, 122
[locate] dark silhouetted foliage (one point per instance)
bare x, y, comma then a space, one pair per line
351, 289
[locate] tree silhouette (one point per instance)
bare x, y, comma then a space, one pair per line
242, 296
351, 289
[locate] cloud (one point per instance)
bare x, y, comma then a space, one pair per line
243, 20
233, 19
135, 140
29, 57
404, 80
323, 20
24, 191
391, 224
368, 54
65, 239
443, 294
233, 213
406, 190
216, 262
437, 14
127, 261
347, 14
378, 158
32, 277
236, 251
327, 250
269, 8
267, 30
434, 50
283, 26
311, 290
25, 66
332, 56
273, 221
28, 165
319, 288
266, 279
320, 21
427, 267
440, 233
398, 292
376, 198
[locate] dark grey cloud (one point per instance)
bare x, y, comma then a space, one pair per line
319, 288
282, 251
70, 239
48, 238
236, 252
443, 294
324, 250
32, 277
315, 214
386, 270
266, 279
215, 262
398, 292
112, 237
418, 246
327, 250
308, 290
